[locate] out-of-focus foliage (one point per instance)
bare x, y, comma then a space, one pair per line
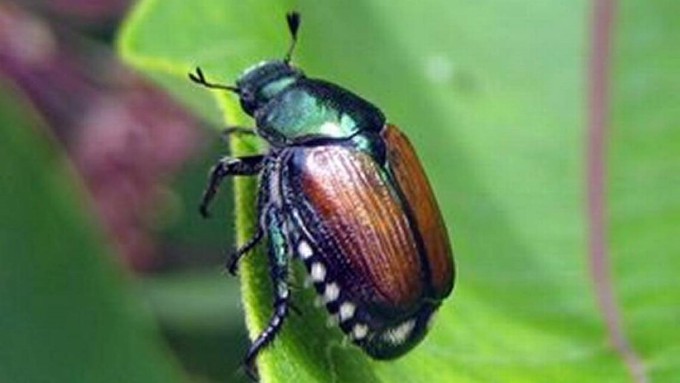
66, 312
495, 97
125, 137
127, 142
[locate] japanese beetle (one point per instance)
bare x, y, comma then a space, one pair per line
342, 191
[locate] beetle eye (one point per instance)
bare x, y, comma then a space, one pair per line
246, 95
248, 101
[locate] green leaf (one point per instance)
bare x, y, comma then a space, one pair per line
644, 181
201, 318
494, 96
66, 314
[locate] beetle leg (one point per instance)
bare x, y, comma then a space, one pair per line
278, 260
236, 130
229, 166
235, 257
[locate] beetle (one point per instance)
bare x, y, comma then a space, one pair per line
343, 191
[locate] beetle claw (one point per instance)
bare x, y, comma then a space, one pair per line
251, 370
229, 131
236, 255
203, 209
233, 267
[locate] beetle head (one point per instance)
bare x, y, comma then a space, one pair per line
258, 84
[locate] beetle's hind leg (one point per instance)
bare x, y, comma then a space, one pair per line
226, 167
278, 260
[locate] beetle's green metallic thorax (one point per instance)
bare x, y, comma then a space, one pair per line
290, 108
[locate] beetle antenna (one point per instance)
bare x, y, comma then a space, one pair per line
199, 78
293, 19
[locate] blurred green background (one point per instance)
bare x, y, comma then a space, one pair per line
108, 274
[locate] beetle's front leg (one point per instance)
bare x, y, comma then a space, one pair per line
229, 131
262, 205
278, 260
235, 257
229, 166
